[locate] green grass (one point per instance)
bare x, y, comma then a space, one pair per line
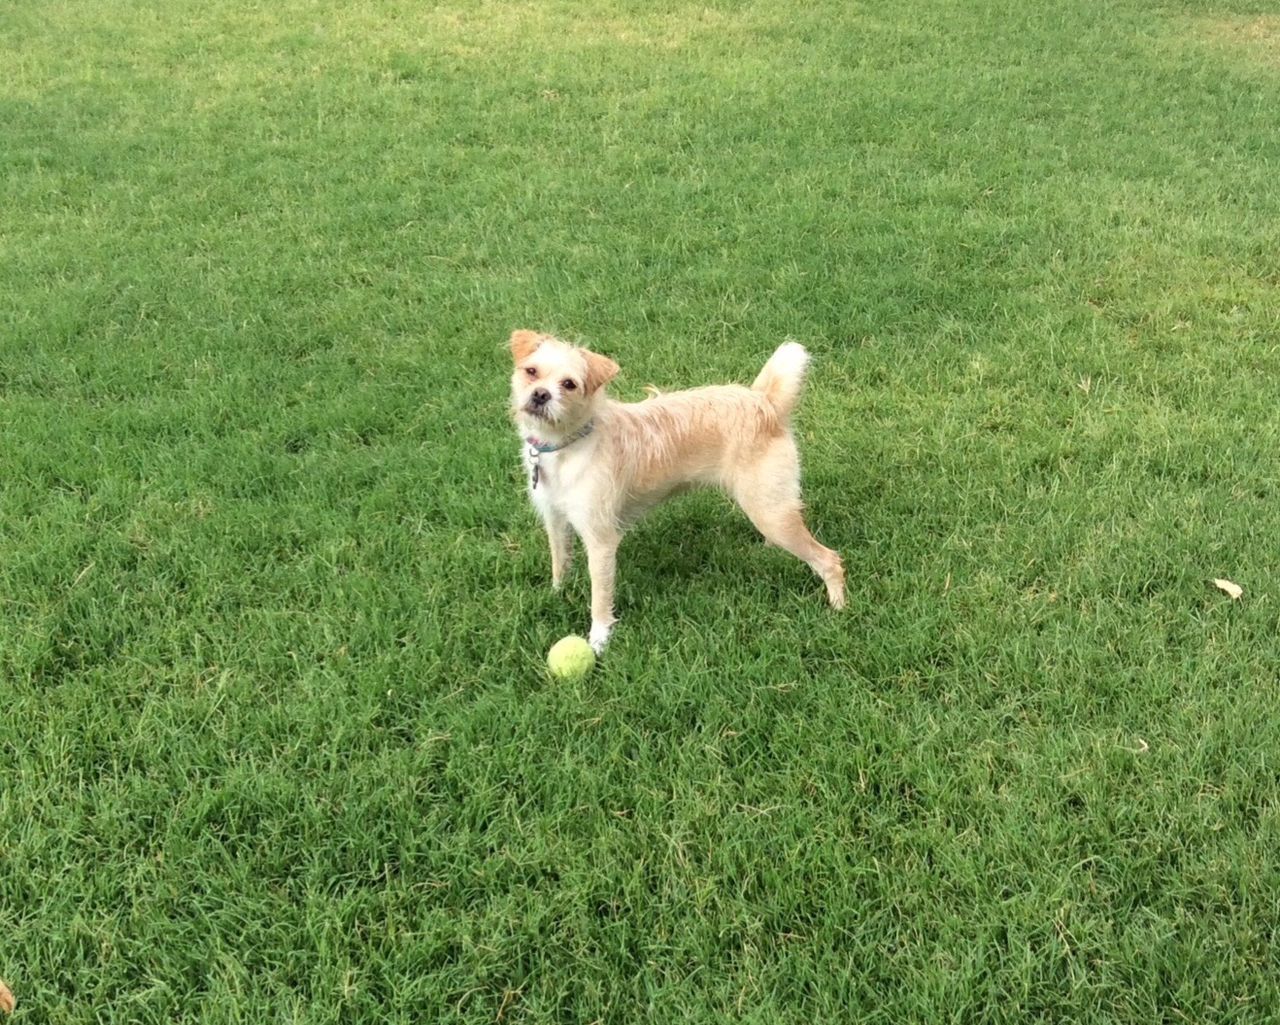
277, 744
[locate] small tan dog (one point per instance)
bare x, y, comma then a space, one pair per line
594, 466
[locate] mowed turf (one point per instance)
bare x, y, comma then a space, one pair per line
277, 742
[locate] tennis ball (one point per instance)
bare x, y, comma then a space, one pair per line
570, 658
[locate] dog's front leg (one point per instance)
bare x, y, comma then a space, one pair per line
560, 540
602, 560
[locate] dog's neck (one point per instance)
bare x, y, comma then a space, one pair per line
539, 447
542, 446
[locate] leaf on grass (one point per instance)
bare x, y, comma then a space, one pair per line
1234, 590
6, 999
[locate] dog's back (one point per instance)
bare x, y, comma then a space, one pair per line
695, 436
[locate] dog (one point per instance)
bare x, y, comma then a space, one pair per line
595, 466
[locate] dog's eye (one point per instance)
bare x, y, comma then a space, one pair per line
531, 371
568, 385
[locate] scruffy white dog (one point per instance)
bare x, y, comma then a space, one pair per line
595, 465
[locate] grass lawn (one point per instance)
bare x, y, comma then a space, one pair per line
278, 746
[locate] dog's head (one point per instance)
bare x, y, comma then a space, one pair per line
555, 387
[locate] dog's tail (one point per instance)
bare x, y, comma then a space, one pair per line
782, 378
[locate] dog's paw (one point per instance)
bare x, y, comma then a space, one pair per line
599, 636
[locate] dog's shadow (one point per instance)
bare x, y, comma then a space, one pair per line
699, 540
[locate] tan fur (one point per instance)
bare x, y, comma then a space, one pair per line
600, 370
523, 343
727, 436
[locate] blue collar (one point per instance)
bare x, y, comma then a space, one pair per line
541, 448
537, 449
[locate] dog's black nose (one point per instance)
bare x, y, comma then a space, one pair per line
540, 397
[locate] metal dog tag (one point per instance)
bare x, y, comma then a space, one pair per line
536, 472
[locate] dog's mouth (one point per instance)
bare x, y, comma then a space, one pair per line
538, 412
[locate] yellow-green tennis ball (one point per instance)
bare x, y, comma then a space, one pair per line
570, 658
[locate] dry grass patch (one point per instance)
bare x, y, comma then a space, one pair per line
1257, 36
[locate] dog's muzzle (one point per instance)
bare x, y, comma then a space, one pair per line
537, 404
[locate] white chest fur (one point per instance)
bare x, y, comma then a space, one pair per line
544, 474
559, 482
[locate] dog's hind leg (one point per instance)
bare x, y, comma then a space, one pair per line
769, 493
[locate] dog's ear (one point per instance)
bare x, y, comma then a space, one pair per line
600, 370
523, 343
